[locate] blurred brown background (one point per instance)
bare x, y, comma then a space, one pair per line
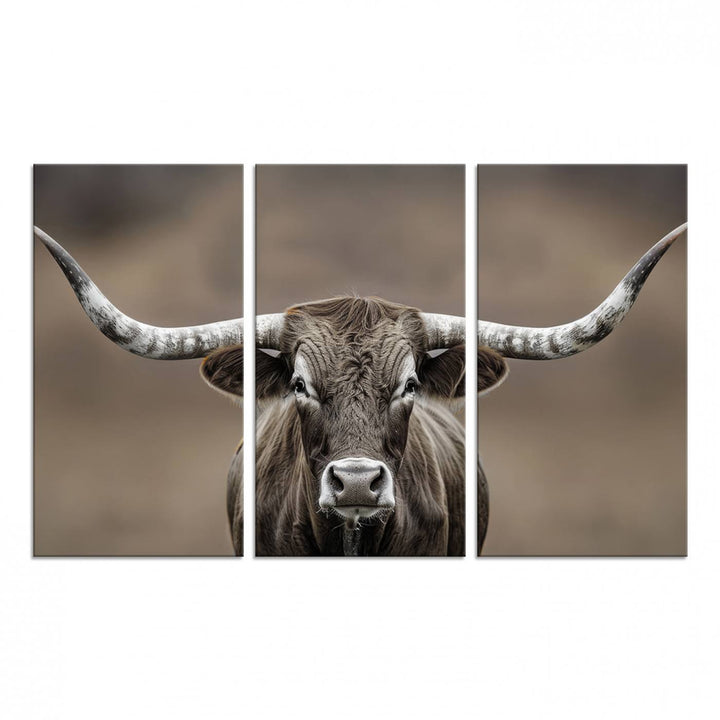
585, 455
131, 454
395, 231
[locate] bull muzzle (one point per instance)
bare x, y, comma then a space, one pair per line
357, 488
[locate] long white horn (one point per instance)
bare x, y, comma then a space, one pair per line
443, 331
560, 341
267, 330
179, 343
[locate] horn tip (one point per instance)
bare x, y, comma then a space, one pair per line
675, 234
43, 237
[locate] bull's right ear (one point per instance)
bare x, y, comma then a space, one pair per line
272, 374
223, 370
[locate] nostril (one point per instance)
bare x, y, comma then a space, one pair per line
376, 484
335, 481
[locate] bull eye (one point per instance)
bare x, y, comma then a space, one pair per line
299, 386
410, 387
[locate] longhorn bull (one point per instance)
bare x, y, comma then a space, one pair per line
357, 449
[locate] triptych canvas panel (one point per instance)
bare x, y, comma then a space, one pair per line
585, 455
130, 453
360, 360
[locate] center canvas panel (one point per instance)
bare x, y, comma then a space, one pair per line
360, 440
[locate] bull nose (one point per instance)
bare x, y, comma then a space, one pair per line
357, 482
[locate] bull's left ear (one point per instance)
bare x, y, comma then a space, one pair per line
223, 370
491, 370
444, 374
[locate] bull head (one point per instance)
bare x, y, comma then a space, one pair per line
352, 369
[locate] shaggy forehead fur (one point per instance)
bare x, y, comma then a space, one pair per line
358, 342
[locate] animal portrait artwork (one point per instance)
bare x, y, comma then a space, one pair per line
360, 441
